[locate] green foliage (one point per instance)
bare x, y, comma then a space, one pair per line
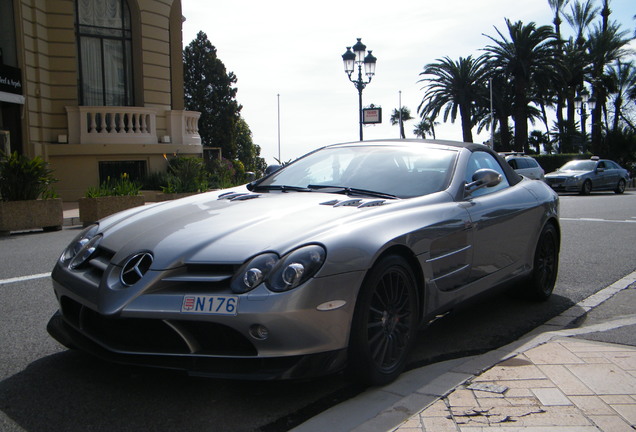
223, 174
154, 181
208, 88
186, 174
123, 186
22, 178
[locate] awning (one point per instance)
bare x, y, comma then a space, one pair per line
11, 98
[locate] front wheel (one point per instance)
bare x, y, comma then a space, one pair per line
384, 322
586, 189
620, 188
540, 284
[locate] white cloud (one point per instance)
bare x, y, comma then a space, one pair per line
294, 48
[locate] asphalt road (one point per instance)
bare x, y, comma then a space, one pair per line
44, 387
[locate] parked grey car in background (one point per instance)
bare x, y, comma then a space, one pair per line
585, 176
331, 263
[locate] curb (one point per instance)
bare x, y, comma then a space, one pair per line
385, 408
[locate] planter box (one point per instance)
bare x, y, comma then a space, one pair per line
93, 209
32, 214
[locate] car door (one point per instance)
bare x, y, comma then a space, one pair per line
503, 222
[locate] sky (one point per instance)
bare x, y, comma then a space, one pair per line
287, 56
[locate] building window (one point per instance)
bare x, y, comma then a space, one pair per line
104, 41
112, 170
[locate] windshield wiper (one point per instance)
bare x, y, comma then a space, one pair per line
282, 188
353, 191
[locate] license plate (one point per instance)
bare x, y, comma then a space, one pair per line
210, 304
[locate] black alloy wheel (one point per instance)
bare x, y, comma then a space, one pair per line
546, 265
384, 323
586, 189
620, 188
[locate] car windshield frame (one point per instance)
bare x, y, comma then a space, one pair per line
389, 171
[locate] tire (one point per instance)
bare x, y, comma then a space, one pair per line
384, 322
620, 187
540, 284
586, 189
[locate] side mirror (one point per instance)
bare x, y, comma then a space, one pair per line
484, 177
250, 176
272, 169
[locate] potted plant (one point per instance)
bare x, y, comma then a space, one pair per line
26, 198
110, 197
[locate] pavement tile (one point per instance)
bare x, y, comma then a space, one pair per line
616, 399
438, 409
557, 416
462, 397
526, 384
589, 347
604, 379
625, 360
551, 397
611, 424
592, 405
565, 380
594, 359
628, 412
519, 392
438, 424
520, 372
552, 354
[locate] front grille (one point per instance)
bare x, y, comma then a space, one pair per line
147, 335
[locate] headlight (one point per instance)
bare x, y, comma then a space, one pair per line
279, 274
253, 273
572, 180
296, 268
81, 247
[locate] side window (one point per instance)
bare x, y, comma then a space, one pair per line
513, 163
479, 160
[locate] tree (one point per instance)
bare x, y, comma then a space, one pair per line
454, 86
208, 88
397, 118
605, 45
247, 152
425, 127
530, 52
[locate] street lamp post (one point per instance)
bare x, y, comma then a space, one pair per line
354, 58
581, 103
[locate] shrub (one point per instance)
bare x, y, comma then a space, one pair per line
23, 178
123, 186
186, 174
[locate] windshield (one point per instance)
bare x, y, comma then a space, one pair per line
403, 172
579, 165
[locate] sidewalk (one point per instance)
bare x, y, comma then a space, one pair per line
548, 381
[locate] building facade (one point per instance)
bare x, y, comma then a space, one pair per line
95, 87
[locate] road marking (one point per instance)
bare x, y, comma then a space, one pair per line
24, 278
597, 220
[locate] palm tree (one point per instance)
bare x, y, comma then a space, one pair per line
580, 19
425, 127
558, 90
531, 51
397, 118
623, 78
453, 86
603, 48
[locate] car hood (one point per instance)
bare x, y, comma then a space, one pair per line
221, 228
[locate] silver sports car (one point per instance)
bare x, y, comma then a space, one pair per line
330, 263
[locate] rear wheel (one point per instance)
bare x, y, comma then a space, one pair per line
546, 265
586, 189
384, 323
620, 188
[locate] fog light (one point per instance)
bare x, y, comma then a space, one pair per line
259, 332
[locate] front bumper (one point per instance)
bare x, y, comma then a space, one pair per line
253, 368
149, 329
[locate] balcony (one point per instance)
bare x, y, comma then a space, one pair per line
130, 125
